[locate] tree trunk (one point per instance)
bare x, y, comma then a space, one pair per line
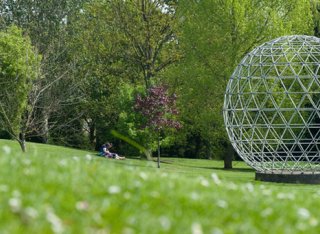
45, 127
229, 157
22, 142
158, 149
92, 133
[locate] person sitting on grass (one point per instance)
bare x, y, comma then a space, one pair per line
106, 153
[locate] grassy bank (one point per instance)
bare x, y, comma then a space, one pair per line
52, 189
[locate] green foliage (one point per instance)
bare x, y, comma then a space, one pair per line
214, 36
116, 43
130, 123
20, 66
149, 30
134, 39
94, 50
44, 21
98, 68
47, 25
315, 9
128, 120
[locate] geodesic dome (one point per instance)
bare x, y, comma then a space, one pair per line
272, 106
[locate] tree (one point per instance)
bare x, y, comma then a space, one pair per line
215, 35
47, 23
159, 110
315, 9
43, 21
149, 28
20, 67
133, 43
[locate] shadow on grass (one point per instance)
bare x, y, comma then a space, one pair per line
144, 163
210, 168
233, 169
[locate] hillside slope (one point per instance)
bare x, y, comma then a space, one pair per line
60, 190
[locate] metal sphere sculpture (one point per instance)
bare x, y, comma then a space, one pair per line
272, 106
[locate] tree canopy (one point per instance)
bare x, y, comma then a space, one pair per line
20, 66
213, 43
97, 55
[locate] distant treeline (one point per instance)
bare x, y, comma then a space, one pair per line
70, 70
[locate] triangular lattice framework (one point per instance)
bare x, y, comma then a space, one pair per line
272, 106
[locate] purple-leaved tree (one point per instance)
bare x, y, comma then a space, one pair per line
159, 110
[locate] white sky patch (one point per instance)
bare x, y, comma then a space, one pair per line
64, 20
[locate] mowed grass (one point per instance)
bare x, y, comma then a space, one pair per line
53, 189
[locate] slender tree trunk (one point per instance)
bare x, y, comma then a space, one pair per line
158, 149
22, 142
45, 127
92, 133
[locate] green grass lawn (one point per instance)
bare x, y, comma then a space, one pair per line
53, 189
